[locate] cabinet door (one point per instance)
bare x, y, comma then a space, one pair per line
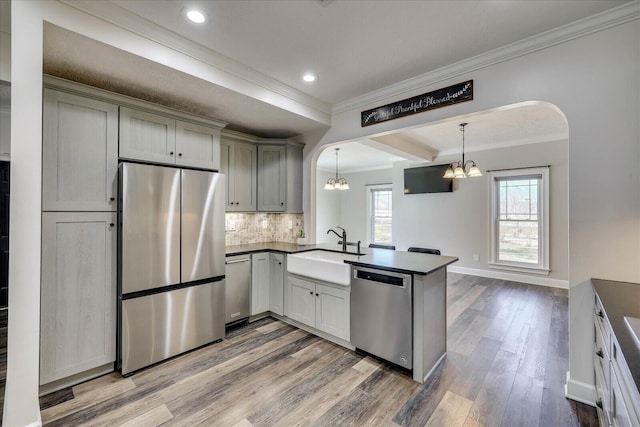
226, 167
294, 179
301, 301
197, 146
78, 296
146, 136
259, 283
332, 311
79, 153
272, 173
276, 295
244, 177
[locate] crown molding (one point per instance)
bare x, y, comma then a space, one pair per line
133, 23
601, 21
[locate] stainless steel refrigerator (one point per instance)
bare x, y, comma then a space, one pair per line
171, 262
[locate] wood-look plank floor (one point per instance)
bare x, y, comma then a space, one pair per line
505, 366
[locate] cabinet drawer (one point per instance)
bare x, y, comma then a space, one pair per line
601, 354
603, 323
602, 396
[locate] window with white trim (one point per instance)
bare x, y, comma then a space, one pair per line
520, 219
380, 213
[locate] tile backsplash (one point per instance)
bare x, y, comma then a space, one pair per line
245, 228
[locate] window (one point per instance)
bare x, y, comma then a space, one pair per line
380, 211
520, 219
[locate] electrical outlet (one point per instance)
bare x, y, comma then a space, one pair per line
264, 224
476, 257
290, 225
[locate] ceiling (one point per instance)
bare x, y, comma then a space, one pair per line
354, 47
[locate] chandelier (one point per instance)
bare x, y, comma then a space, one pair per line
336, 183
459, 169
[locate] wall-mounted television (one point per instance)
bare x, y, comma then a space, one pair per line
427, 179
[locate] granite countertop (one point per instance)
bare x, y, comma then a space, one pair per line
383, 259
620, 299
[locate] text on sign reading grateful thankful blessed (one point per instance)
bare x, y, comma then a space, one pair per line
460, 92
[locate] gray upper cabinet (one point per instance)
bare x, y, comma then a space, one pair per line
294, 178
197, 146
238, 163
280, 178
272, 178
147, 136
78, 312
161, 139
80, 153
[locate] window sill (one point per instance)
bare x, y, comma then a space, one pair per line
520, 269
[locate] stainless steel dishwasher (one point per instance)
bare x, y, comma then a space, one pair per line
381, 314
238, 288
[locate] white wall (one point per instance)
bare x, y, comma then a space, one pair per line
354, 202
595, 81
458, 223
329, 212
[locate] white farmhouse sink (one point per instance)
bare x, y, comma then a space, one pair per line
323, 265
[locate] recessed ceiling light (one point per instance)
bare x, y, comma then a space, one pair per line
309, 78
196, 16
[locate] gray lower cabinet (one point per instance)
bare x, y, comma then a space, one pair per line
260, 286
80, 153
322, 306
238, 163
78, 293
614, 386
276, 284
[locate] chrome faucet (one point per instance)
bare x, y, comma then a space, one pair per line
343, 237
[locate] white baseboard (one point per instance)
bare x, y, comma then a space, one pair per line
514, 277
579, 391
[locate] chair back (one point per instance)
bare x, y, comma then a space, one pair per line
375, 245
425, 250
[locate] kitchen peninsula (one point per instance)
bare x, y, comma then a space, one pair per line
428, 296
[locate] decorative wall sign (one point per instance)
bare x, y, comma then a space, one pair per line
459, 92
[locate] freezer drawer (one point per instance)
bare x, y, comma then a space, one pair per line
159, 326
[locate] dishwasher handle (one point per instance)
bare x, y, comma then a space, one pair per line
236, 261
387, 279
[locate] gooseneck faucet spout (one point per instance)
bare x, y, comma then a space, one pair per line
343, 237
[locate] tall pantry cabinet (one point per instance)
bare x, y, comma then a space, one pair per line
79, 188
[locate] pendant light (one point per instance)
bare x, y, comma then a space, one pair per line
336, 183
458, 169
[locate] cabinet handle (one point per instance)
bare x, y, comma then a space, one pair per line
179, 154
317, 295
281, 203
111, 224
112, 199
311, 293
279, 263
599, 402
599, 353
171, 153
599, 313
